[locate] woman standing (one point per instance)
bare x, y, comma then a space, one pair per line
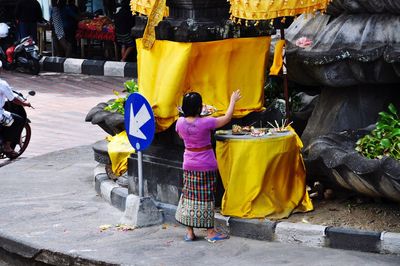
27, 14
200, 169
124, 21
62, 46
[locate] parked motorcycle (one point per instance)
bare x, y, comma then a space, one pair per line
21, 54
25, 136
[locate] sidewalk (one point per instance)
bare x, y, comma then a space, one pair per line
51, 213
89, 67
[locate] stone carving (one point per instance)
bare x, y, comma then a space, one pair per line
334, 157
110, 122
355, 58
347, 50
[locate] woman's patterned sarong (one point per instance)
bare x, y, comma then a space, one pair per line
196, 205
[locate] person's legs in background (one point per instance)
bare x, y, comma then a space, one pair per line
32, 30
22, 30
70, 38
66, 47
27, 29
128, 49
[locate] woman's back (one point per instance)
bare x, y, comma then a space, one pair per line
196, 135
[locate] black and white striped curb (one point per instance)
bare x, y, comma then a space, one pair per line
89, 67
263, 229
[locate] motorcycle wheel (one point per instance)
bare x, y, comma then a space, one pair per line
23, 140
34, 67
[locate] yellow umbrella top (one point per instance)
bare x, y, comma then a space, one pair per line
270, 9
144, 7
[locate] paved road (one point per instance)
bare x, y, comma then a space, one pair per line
54, 210
61, 104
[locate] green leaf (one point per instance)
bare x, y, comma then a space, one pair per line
392, 109
386, 116
385, 143
131, 86
381, 126
395, 133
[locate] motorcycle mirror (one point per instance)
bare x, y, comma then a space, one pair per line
32, 93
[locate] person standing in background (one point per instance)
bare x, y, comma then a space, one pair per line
27, 14
124, 21
62, 46
70, 16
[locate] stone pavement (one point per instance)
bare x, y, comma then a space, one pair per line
51, 213
61, 104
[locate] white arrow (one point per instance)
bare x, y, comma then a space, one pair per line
136, 122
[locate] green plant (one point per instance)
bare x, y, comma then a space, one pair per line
384, 140
118, 104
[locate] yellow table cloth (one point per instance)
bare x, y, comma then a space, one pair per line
214, 69
263, 177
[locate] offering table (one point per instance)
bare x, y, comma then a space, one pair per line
262, 176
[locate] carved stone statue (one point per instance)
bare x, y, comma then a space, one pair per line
355, 58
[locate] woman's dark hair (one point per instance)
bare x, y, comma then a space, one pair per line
192, 104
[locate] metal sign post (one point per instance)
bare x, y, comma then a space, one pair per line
140, 174
140, 128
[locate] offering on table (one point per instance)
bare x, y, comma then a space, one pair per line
283, 128
258, 132
236, 130
239, 130
247, 128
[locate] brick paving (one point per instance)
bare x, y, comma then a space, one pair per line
61, 104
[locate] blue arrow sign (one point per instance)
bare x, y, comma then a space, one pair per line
139, 121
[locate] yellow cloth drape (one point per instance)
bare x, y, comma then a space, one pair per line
119, 150
155, 16
263, 177
269, 9
278, 58
214, 69
144, 7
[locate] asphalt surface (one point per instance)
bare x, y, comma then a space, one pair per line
51, 212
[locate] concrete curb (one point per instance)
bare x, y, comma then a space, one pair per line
263, 229
89, 67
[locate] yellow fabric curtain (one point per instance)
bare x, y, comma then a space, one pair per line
275, 187
119, 150
214, 69
278, 58
269, 9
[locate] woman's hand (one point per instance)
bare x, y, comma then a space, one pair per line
223, 120
236, 96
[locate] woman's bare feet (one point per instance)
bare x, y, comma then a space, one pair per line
190, 236
211, 233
